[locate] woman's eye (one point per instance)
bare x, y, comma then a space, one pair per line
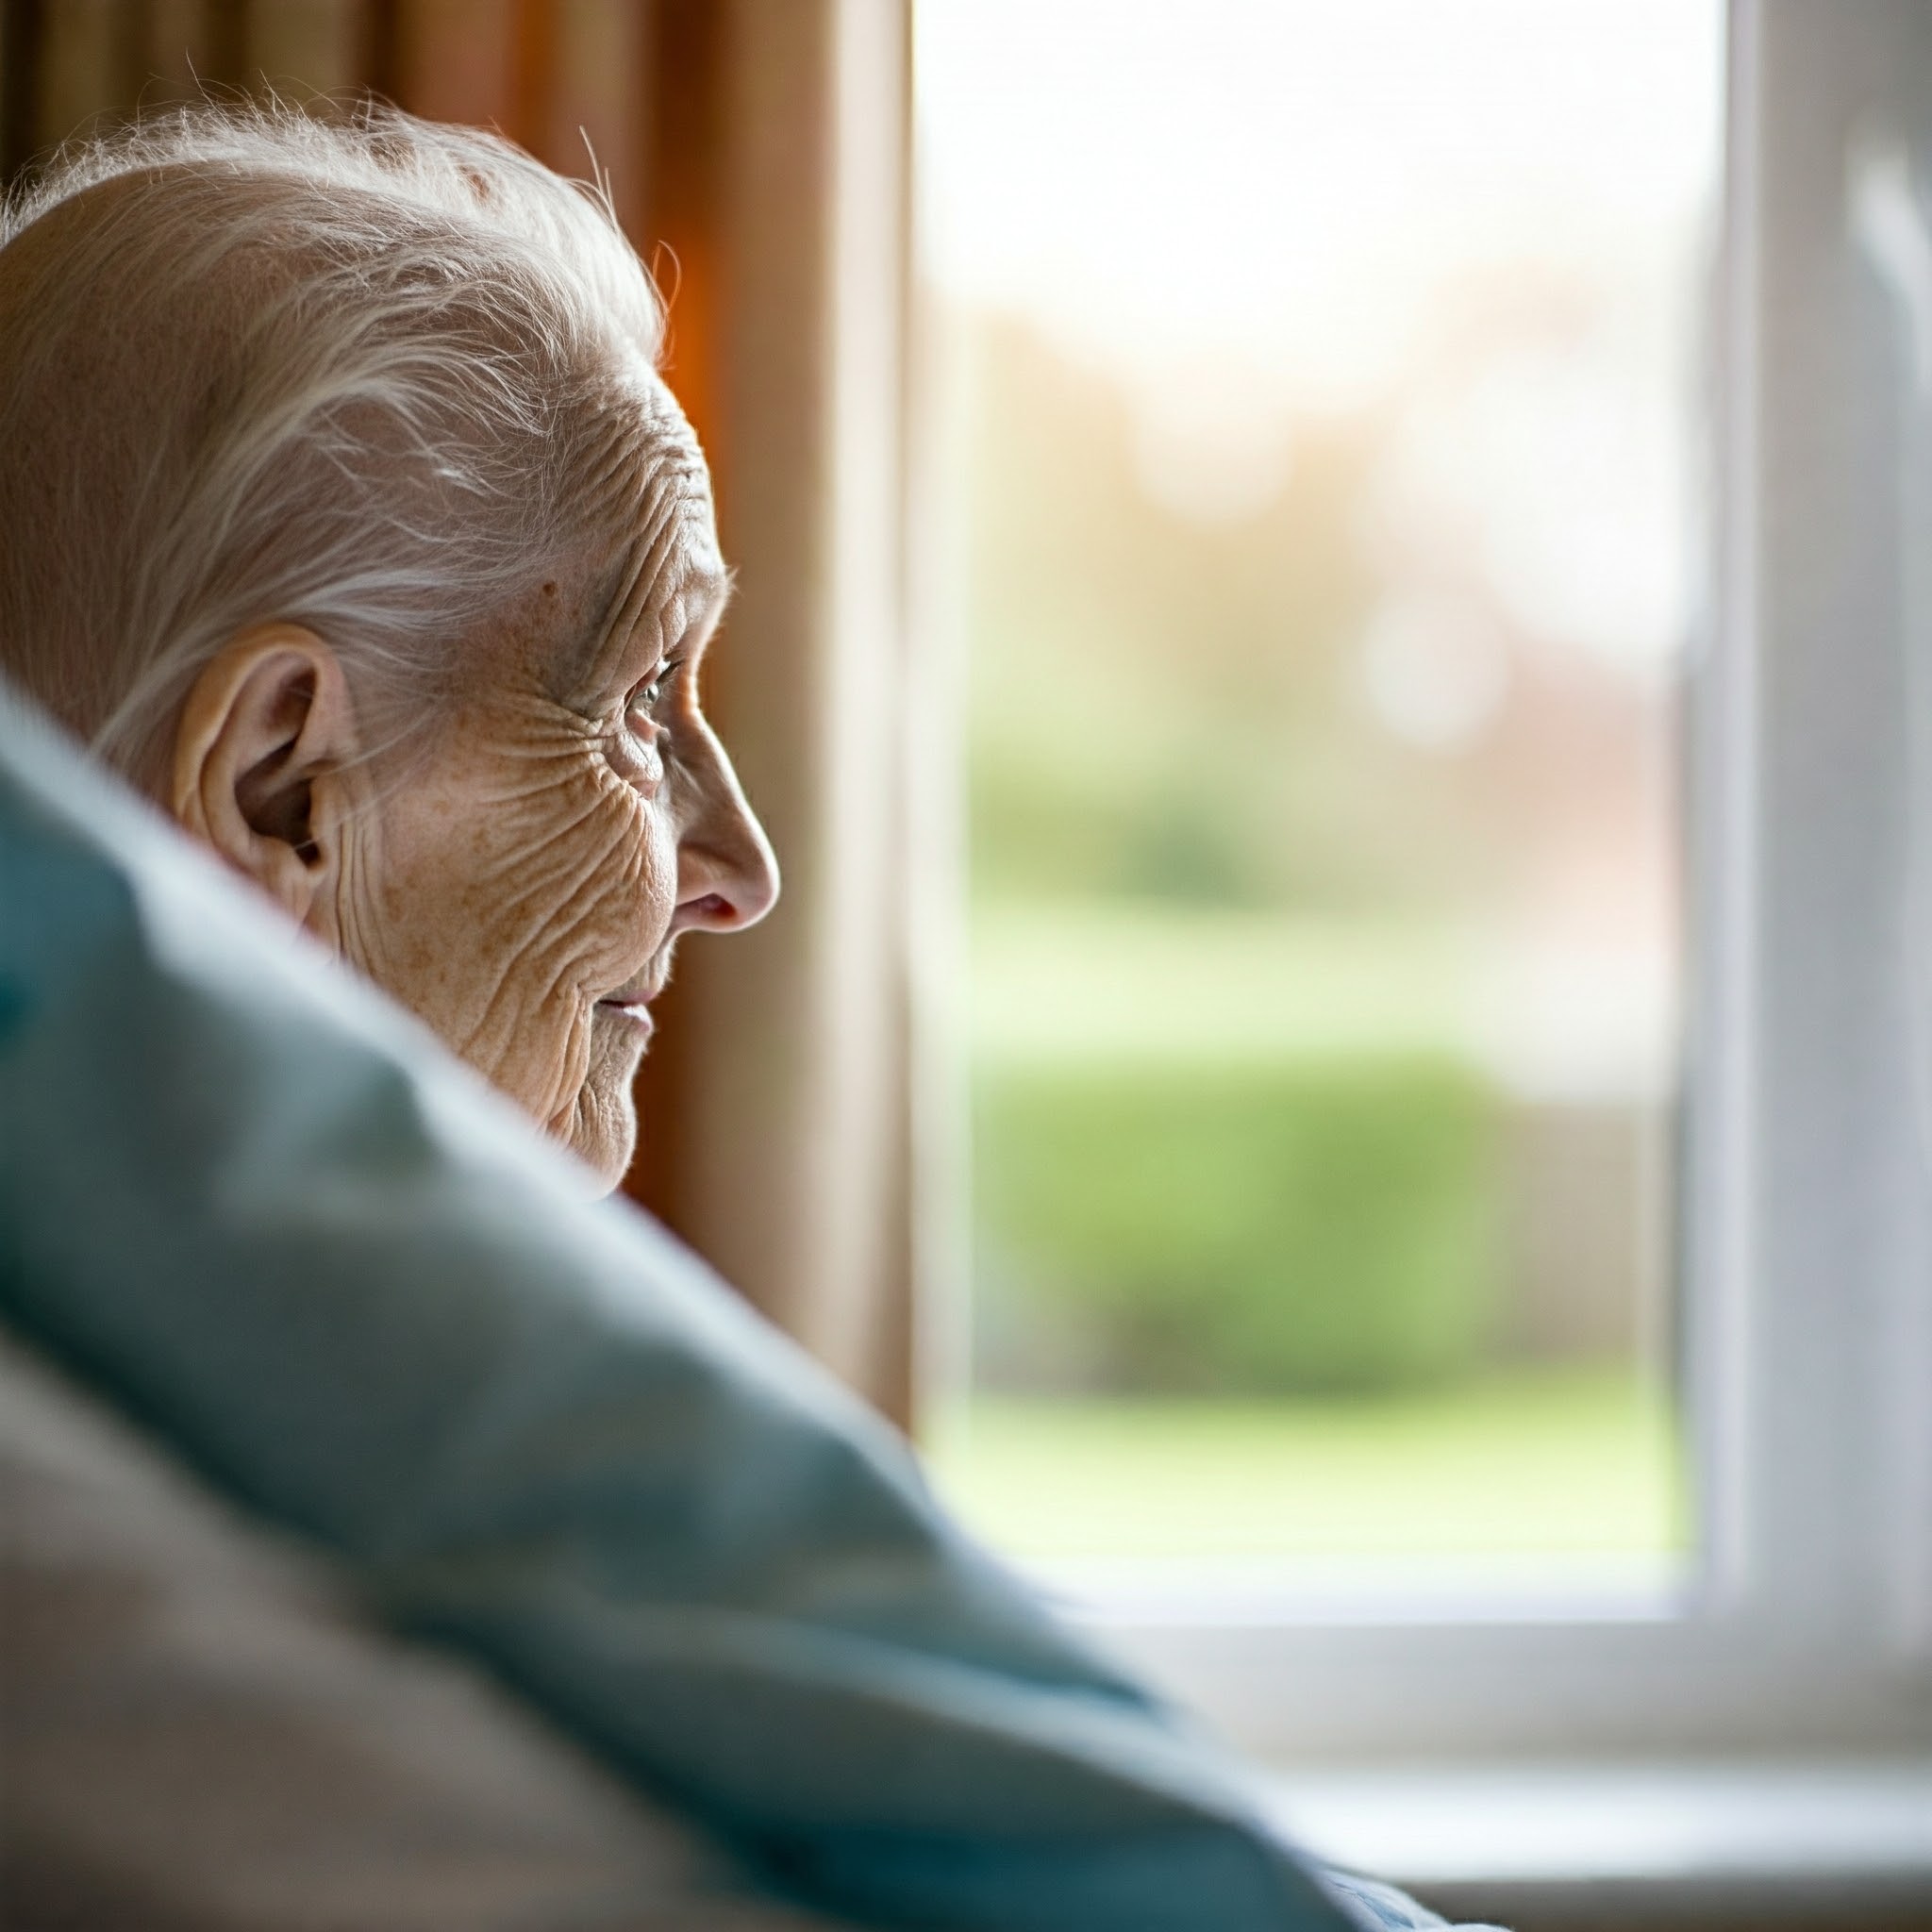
648, 697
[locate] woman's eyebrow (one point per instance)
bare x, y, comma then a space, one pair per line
706, 612
698, 604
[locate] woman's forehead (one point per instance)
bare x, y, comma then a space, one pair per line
657, 577
646, 567
670, 470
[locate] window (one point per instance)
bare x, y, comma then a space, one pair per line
1422, 486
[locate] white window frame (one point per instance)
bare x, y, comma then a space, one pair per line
1806, 1181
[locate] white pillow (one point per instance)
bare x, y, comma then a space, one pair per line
199, 1733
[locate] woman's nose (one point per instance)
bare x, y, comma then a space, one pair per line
727, 876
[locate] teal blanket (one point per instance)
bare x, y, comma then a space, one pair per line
255, 1204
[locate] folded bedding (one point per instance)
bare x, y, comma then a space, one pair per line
200, 1732
254, 1207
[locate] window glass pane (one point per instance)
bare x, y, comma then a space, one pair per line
1319, 413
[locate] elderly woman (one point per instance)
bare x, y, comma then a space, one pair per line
392, 578
343, 514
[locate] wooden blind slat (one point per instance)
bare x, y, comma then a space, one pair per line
596, 73
303, 47
459, 60
79, 67
22, 24
171, 58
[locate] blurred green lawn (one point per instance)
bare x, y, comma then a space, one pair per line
1532, 1461
1136, 982
1535, 1463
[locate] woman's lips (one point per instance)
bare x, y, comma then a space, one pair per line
633, 1012
631, 1001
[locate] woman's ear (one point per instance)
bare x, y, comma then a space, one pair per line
265, 760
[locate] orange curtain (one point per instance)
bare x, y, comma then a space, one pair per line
755, 151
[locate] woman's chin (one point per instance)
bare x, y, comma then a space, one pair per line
603, 1134
603, 1126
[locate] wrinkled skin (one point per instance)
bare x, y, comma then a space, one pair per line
524, 891
521, 885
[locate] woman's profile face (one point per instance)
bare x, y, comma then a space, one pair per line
521, 888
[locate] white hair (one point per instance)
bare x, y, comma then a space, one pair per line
370, 375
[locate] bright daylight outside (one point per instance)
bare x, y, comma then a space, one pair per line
1319, 418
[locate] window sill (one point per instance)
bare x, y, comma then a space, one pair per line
1841, 1842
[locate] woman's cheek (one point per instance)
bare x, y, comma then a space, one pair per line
642, 880
613, 889
638, 761
544, 1063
